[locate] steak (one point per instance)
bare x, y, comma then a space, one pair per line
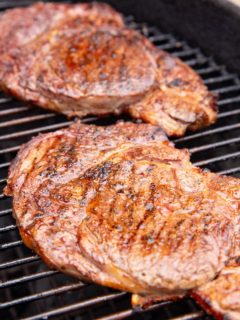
221, 297
82, 69
180, 101
81, 59
120, 206
20, 26
57, 161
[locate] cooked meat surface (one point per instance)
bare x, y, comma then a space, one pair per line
22, 25
80, 65
221, 297
120, 206
83, 69
80, 59
53, 163
180, 101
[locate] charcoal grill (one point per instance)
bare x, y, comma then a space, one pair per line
28, 289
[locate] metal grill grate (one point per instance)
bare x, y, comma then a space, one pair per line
28, 289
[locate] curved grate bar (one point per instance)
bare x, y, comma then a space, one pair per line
76, 306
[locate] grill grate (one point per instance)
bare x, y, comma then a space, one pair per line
29, 290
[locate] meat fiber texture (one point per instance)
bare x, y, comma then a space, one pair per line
81, 59
122, 207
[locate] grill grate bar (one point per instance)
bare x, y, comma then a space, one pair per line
191, 316
45, 128
19, 262
27, 119
129, 312
185, 53
208, 132
13, 111
37, 130
229, 101
10, 245
220, 116
219, 79
159, 37
30, 277
170, 46
43, 294
230, 171
118, 315
211, 69
2, 196
5, 99
77, 306
228, 113
194, 62
215, 145
8, 228
4, 165
8, 150
17, 147
217, 159
5, 212
227, 89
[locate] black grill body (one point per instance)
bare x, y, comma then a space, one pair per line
28, 289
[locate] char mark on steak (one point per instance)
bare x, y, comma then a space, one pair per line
81, 59
120, 206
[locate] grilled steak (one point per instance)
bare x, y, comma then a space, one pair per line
83, 69
22, 25
179, 102
80, 59
221, 297
120, 206
56, 161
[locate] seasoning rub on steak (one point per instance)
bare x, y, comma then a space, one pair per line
120, 206
81, 59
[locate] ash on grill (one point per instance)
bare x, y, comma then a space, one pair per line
28, 289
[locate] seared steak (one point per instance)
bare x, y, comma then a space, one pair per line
179, 102
120, 206
22, 25
82, 69
221, 297
56, 161
80, 59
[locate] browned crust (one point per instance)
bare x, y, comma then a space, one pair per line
80, 59
25, 163
97, 70
69, 187
180, 101
144, 302
20, 26
221, 297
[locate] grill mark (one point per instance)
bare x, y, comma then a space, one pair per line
31, 170
33, 166
147, 214
122, 66
131, 179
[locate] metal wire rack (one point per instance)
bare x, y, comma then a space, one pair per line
28, 289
